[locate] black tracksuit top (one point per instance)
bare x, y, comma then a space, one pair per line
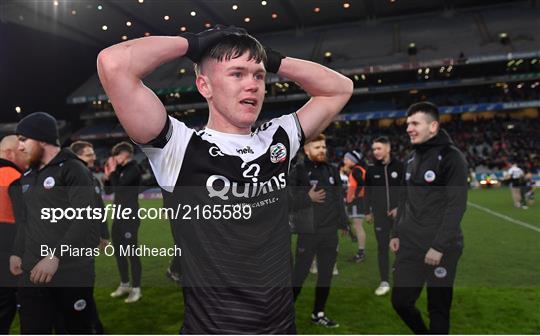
65, 182
330, 215
435, 197
124, 182
383, 183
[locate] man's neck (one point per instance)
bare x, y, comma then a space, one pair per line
386, 160
48, 154
217, 122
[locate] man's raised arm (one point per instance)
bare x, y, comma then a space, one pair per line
121, 69
329, 92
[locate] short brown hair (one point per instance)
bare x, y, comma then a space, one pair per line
233, 46
78, 146
320, 137
123, 146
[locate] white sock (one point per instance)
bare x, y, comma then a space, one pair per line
124, 284
136, 290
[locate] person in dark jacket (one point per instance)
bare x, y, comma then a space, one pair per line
11, 165
62, 277
123, 177
317, 187
85, 151
427, 238
383, 180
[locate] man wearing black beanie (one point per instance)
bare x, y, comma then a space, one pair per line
53, 281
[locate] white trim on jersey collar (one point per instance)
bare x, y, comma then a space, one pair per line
218, 133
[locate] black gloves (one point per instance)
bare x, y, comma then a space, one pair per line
200, 42
273, 60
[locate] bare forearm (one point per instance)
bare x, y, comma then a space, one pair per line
315, 79
329, 92
121, 69
141, 56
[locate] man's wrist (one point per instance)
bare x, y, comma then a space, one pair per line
273, 60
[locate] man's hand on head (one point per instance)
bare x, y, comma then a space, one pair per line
200, 42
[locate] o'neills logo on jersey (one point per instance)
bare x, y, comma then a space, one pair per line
245, 150
220, 186
278, 153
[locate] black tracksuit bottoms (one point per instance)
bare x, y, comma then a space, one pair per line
383, 226
324, 246
124, 234
410, 276
39, 306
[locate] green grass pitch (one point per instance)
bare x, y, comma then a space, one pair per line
497, 287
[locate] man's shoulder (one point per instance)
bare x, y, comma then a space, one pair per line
74, 163
451, 153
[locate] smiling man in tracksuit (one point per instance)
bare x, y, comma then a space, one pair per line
383, 180
427, 237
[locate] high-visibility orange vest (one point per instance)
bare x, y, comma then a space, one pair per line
7, 176
352, 193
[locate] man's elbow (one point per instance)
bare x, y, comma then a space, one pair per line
110, 62
348, 87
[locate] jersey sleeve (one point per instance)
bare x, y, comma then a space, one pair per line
166, 152
291, 125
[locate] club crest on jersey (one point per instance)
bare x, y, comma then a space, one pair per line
331, 180
407, 176
429, 176
49, 182
97, 190
393, 174
440, 272
25, 188
278, 153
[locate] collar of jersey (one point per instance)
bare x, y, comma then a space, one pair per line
221, 134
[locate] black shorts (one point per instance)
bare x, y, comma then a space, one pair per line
356, 209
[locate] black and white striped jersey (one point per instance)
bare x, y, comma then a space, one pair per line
237, 268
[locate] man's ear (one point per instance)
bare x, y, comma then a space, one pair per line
204, 86
434, 126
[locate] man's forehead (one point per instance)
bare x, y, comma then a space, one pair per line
318, 143
239, 62
418, 116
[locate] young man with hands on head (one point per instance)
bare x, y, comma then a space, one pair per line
237, 272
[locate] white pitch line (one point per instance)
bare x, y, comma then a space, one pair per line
500, 215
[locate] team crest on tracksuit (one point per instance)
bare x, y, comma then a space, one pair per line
429, 176
80, 305
440, 272
49, 182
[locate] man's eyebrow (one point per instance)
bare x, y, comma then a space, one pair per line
236, 67
243, 68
